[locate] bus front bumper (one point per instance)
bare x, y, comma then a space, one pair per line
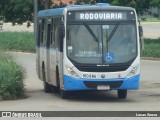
71, 83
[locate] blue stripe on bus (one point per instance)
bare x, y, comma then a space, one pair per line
71, 83
51, 12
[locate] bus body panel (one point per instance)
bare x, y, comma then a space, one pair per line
38, 62
51, 68
60, 68
43, 60
71, 83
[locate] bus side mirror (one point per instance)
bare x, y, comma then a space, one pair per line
62, 32
141, 37
140, 31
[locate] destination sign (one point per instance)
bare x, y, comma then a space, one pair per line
100, 16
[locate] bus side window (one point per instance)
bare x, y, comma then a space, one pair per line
48, 33
56, 32
39, 33
43, 32
60, 34
52, 41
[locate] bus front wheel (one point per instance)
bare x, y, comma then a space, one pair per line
122, 94
64, 94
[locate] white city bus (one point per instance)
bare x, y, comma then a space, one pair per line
88, 47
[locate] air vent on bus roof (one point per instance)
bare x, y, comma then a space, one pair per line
98, 4
102, 4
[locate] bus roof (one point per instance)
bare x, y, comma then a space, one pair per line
98, 6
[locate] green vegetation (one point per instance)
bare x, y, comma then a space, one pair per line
16, 11
17, 41
11, 78
11, 74
152, 48
150, 19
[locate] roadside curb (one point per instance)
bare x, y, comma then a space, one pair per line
150, 58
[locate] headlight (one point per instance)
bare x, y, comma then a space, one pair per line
133, 71
71, 72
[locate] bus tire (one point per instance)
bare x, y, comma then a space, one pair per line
122, 94
64, 94
57, 78
47, 87
55, 89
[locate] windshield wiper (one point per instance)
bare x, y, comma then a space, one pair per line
91, 32
113, 31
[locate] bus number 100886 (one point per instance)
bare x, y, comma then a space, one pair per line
89, 76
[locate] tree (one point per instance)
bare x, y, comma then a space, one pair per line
155, 3
82, 1
18, 11
93, 1
141, 6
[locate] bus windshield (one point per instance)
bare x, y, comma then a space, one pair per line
102, 43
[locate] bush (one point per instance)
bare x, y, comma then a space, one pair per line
11, 78
17, 41
150, 19
152, 48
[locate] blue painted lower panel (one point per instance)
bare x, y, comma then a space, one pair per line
71, 83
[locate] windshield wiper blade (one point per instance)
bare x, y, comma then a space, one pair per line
91, 32
113, 31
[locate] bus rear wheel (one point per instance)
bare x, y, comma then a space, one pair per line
122, 94
47, 87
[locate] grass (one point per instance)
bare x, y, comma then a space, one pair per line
11, 78
17, 41
152, 48
150, 19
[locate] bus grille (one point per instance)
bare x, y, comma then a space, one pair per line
102, 68
112, 84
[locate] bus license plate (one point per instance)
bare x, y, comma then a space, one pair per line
103, 87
